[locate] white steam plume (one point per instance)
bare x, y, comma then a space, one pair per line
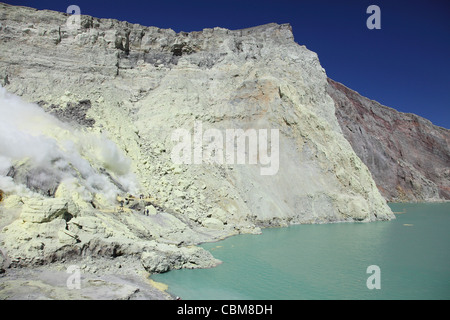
55, 151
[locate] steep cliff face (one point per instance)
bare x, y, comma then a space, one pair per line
408, 156
139, 86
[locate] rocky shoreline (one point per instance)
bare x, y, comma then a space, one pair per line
100, 279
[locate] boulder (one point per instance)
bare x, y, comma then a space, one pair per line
151, 210
165, 257
44, 210
213, 223
155, 262
66, 237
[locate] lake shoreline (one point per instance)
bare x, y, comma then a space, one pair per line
99, 275
393, 246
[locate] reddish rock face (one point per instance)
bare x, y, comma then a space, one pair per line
408, 156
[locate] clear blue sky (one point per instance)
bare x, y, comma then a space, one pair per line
405, 65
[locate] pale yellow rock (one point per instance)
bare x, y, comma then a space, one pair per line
212, 223
151, 210
220, 214
65, 237
12, 201
43, 210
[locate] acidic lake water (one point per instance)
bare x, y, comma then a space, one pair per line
329, 261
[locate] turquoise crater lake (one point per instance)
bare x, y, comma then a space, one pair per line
329, 261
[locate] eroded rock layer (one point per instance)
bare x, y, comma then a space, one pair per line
408, 156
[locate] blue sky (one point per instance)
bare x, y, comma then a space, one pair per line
405, 65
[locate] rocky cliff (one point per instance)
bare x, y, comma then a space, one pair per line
408, 156
90, 169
